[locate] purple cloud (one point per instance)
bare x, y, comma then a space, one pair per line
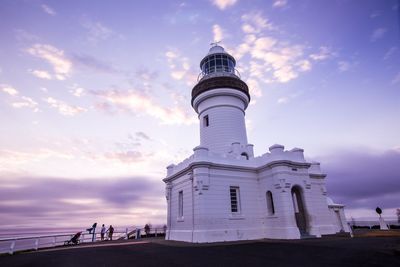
34, 201
95, 64
363, 180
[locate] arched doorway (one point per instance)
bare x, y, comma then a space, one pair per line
299, 210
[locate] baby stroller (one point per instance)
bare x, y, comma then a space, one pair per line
74, 240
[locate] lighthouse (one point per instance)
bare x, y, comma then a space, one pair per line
222, 192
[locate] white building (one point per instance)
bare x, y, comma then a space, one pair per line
223, 192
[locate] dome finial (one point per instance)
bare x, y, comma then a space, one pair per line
215, 43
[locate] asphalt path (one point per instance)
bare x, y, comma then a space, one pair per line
367, 251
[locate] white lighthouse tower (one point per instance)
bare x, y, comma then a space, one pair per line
223, 193
220, 99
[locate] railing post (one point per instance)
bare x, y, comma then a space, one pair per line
12, 247
127, 234
54, 241
156, 232
36, 243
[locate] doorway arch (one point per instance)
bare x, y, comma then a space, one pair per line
299, 209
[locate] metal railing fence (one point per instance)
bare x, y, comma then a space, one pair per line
14, 244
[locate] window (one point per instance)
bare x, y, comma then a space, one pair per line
218, 63
245, 155
180, 204
235, 200
206, 121
270, 204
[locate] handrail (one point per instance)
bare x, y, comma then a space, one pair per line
46, 241
32, 237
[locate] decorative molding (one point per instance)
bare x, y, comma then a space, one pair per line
282, 185
201, 180
232, 167
317, 175
307, 184
323, 190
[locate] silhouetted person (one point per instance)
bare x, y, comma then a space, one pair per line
103, 231
110, 232
94, 231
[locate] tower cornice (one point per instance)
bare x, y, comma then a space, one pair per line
219, 82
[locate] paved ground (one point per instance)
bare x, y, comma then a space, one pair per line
334, 251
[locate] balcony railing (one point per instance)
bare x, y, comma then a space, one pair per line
217, 72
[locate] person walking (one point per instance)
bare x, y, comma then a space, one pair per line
110, 232
103, 232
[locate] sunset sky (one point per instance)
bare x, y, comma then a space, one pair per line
95, 99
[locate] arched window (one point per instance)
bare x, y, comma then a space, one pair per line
270, 204
245, 155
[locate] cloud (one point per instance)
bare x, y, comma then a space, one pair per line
25, 102
13, 160
254, 22
97, 31
42, 74
180, 67
48, 10
272, 59
360, 179
8, 89
396, 78
94, 64
343, 66
77, 91
377, 34
390, 52
218, 33
134, 103
279, 3
19, 101
55, 57
375, 14
288, 98
284, 61
305, 65
142, 135
22, 35
64, 108
283, 100
146, 75
323, 54
126, 156
222, 4
53, 201
254, 88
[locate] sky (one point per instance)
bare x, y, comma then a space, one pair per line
95, 100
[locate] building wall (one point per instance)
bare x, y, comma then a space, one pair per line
180, 228
211, 220
213, 216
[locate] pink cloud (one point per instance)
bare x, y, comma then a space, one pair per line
132, 101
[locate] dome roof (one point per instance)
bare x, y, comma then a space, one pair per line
216, 49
